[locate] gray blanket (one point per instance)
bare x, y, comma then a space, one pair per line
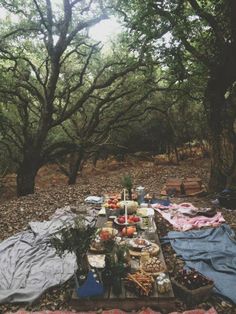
28, 263
212, 252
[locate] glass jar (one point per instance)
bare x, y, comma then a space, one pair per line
151, 224
140, 190
144, 257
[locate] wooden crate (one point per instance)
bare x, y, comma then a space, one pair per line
194, 179
175, 186
192, 186
192, 297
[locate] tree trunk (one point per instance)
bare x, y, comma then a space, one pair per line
223, 163
218, 178
190, 148
231, 179
75, 163
222, 158
95, 158
26, 176
168, 152
176, 154
231, 170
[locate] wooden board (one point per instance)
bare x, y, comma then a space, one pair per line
128, 300
155, 251
163, 304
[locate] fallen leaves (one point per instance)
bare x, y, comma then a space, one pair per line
16, 213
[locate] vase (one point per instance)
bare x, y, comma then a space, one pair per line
82, 271
117, 286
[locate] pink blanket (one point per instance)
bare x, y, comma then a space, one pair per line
176, 215
116, 311
210, 311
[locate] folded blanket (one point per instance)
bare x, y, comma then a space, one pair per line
180, 216
94, 200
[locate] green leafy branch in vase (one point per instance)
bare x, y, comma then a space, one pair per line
75, 238
127, 183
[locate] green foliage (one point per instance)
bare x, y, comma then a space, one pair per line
75, 238
195, 41
117, 263
51, 72
127, 182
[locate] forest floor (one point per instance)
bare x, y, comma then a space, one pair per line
52, 192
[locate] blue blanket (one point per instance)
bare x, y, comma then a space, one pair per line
212, 252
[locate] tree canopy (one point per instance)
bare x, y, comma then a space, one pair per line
50, 71
196, 40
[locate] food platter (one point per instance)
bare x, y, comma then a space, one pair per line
153, 266
136, 220
153, 250
103, 234
111, 232
139, 243
120, 224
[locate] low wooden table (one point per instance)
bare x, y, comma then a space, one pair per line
127, 300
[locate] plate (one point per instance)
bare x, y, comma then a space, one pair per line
153, 272
97, 247
118, 223
112, 231
139, 243
153, 250
96, 261
128, 223
145, 211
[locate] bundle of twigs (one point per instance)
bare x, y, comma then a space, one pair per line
141, 282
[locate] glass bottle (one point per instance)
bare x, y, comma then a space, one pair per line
107, 271
141, 193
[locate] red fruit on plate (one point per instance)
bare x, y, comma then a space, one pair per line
121, 220
105, 235
131, 218
128, 231
136, 219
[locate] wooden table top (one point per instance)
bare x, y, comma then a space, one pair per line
128, 300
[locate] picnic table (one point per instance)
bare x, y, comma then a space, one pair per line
127, 300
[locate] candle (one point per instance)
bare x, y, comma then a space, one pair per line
125, 206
